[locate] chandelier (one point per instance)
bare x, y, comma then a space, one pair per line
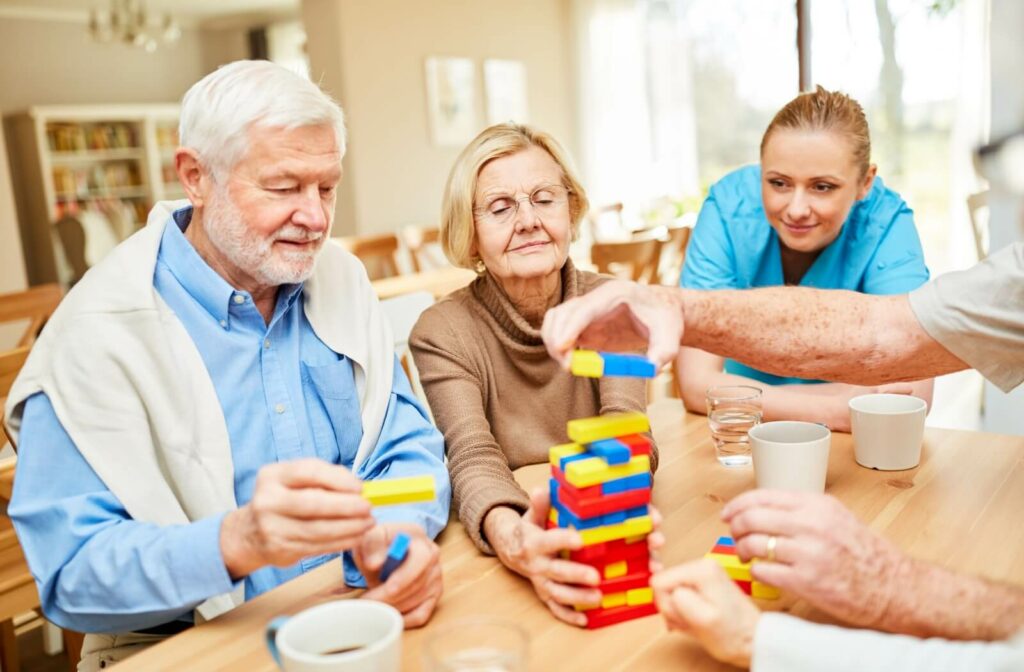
128, 22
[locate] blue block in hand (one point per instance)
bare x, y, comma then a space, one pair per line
725, 541
396, 555
612, 450
628, 365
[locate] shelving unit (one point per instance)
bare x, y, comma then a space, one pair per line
67, 159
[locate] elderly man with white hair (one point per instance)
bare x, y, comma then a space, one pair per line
197, 418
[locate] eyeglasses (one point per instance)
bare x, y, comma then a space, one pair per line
547, 201
1002, 163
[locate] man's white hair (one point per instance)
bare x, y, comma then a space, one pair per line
218, 110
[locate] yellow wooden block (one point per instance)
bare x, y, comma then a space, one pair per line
588, 430
399, 490
631, 526
593, 470
639, 596
616, 569
737, 571
636, 538
763, 591
607, 602
586, 363
556, 453
553, 515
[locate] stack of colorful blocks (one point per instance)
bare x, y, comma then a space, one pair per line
724, 553
601, 486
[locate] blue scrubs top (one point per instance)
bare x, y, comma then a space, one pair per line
734, 247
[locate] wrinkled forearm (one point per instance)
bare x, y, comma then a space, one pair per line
936, 602
827, 334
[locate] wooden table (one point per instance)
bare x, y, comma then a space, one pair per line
437, 281
959, 508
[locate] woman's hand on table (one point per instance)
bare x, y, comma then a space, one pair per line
415, 587
822, 553
699, 598
524, 546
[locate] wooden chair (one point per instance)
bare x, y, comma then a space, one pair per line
673, 254
35, 304
640, 256
418, 239
10, 364
378, 253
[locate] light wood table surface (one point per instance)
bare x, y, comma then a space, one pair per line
959, 508
437, 281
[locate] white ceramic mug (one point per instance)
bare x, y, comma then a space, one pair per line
790, 455
341, 636
887, 430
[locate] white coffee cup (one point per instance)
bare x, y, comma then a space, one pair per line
790, 455
368, 635
887, 430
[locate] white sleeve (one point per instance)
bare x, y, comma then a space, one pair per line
784, 643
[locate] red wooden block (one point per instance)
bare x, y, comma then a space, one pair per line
621, 584
744, 586
609, 552
598, 618
638, 444
724, 550
602, 504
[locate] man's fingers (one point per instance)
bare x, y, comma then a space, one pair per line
775, 499
566, 571
313, 473
567, 614
312, 503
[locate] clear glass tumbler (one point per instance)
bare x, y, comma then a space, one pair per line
476, 645
732, 411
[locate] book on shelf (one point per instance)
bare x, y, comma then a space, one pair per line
71, 137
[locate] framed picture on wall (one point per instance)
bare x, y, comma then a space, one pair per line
451, 100
505, 89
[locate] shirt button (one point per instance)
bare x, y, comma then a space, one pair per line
279, 408
239, 298
266, 343
224, 323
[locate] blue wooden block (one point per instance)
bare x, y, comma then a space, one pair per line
567, 518
553, 490
725, 541
628, 365
636, 511
612, 450
396, 555
615, 517
635, 482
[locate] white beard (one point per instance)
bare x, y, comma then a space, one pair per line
256, 256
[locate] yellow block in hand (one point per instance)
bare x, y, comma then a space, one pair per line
616, 569
399, 490
594, 470
588, 430
763, 591
639, 596
631, 526
587, 363
556, 453
737, 571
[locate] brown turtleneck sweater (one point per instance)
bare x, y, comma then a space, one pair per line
498, 397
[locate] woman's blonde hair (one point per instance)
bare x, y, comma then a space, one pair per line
823, 110
457, 227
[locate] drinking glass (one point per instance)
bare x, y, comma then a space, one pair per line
732, 411
476, 645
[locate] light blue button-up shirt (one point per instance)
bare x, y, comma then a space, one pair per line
733, 246
284, 395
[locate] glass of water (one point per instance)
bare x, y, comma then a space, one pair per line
476, 645
732, 411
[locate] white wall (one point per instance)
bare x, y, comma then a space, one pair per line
1002, 411
370, 54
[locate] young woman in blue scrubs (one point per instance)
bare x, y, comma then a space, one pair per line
814, 214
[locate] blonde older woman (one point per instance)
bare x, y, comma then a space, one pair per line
512, 205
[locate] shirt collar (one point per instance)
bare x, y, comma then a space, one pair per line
203, 283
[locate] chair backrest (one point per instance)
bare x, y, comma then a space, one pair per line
419, 239
10, 364
603, 218
35, 304
378, 253
639, 256
402, 313
673, 254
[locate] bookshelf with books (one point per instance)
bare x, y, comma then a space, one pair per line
95, 163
